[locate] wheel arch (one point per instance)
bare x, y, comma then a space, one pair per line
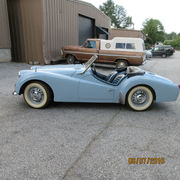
121, 59
32, 81
152, 90
71, 55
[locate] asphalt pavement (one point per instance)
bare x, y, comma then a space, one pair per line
76, 141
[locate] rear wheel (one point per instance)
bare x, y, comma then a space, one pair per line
140, 98
70, 59
121, 63
37, 95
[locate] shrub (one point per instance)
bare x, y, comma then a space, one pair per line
175, 42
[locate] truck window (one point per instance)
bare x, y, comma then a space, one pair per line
120, 45
90, 44
130, 46
156, 49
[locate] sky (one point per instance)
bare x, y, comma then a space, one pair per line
168, 12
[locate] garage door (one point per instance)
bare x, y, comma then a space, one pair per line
86, 28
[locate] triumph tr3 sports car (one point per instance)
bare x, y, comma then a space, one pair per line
82, 83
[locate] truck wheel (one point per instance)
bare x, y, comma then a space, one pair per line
37, 95
164, 56
140, 98
121, 63
70, 59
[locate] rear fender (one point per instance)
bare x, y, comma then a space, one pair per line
163, 89
127, 84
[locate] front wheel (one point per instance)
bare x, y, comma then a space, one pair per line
140, 98
164, 55
71, 59
37, 95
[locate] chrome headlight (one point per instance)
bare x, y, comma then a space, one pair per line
19, 74
61, 52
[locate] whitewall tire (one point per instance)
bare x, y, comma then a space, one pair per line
37, 95
140, 98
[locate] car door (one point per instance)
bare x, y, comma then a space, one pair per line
88, 49
157, 51
92, 89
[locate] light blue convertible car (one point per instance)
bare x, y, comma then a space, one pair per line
82, 83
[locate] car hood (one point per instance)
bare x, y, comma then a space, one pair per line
59, 69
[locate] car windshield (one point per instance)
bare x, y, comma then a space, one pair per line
89, 63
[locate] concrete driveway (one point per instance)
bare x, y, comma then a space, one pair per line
88, 141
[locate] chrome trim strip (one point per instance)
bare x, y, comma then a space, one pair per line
116, 55
119, 55
75, 52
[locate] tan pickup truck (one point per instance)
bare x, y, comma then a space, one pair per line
119, 51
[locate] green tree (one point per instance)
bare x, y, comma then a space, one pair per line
154, 30
117, 14
170, 36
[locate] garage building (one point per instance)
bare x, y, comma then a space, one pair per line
5, 42
126, 33
39, 28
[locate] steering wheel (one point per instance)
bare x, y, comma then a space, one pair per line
121, 69
93, 67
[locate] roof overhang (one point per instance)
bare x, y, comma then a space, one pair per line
100, 30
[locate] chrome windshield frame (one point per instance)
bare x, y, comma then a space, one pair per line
89, 63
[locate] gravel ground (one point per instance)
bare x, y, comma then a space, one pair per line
88, 141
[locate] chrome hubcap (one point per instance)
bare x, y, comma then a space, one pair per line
139, 97
121, 64
36, 95
70, 60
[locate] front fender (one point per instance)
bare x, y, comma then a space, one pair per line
64, 87
30, 76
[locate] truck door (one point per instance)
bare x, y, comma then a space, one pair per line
87, 50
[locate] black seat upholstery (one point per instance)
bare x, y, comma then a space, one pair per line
134, 71
112, 76
121, 69
118, 78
